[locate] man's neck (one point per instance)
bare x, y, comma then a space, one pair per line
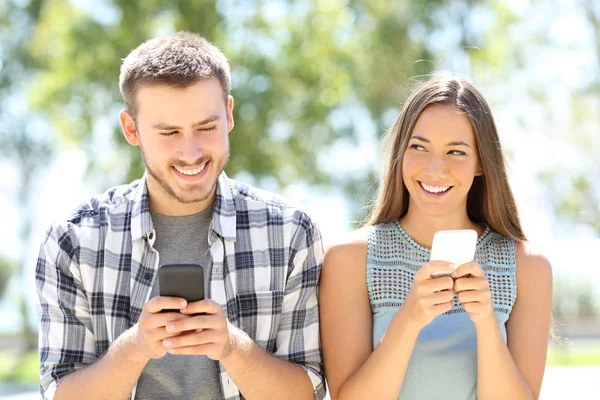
165, 204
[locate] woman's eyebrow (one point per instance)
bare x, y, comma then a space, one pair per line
455, 143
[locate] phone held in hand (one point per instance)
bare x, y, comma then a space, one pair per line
181, 280
455, 246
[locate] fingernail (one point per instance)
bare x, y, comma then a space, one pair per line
184, 310
170, 328
183, 304
167, 342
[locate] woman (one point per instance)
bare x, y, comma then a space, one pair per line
389, 330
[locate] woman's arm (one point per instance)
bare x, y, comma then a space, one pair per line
353, 369
516, 371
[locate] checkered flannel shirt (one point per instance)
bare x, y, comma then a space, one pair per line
96, 269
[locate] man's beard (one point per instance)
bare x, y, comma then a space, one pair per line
169, 190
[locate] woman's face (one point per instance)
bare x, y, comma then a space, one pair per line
441, 161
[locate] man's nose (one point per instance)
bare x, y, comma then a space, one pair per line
191, 149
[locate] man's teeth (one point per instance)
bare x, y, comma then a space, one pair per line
195, 171
434, 188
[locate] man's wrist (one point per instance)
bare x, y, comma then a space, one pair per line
240, 346
129, 345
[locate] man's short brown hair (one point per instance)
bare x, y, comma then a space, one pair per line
179, 60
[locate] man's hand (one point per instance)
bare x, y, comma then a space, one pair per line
150, 329
206, 334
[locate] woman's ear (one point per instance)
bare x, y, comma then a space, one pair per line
478, 169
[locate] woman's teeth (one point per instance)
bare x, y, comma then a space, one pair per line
434, 188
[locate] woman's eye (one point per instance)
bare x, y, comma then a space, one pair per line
457, 152
417, 147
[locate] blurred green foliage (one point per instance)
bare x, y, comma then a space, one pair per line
299, 69
21, 368
7, 268
306, 74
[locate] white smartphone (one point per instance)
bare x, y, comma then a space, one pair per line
455, 246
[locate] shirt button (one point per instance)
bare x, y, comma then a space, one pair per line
148, 276
151, 235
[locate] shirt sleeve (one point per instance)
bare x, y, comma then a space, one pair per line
298, 338
66, 339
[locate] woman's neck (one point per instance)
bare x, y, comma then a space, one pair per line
421, 227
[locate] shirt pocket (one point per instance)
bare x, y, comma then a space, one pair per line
259, 315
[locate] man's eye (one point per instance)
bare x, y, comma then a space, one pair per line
168, 133
212, 128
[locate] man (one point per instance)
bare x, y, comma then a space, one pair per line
102, 332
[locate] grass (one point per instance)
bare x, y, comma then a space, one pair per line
19, 368
573, 357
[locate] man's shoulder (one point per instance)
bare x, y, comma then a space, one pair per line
113, 199
258, 197
265, 204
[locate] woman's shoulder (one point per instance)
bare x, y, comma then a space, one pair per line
350, 243
532, 266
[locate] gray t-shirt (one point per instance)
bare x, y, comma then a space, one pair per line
181, 240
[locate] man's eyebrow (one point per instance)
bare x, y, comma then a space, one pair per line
456, 143
167, 127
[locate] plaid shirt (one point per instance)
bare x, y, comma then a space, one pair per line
96, 269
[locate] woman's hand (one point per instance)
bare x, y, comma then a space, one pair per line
473, 291
429, 297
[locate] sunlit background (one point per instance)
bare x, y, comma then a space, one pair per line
316, 84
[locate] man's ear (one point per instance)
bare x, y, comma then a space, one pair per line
129, 128
229, 113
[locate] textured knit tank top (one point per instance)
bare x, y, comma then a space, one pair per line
443, 364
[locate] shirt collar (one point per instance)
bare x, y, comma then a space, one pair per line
141, 221
224, 213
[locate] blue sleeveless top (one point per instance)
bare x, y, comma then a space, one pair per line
443, 364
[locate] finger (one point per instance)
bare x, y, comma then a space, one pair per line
207, 321
470, 296
157, 335
431, 267
444, 296
196, 338
153, 321
463, 284
200, 349
438, 284
202, 307
471, 268
442, 308
159, 303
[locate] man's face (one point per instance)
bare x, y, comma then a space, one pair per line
183, 137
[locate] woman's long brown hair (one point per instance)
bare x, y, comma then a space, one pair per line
490, 199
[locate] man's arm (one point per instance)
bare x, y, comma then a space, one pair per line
115, 374
111, 377
295, 370
68, 345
